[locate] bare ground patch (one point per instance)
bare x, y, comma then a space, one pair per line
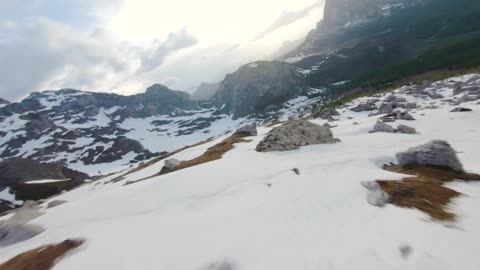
42, 258
158, 159
213, 153
425, 189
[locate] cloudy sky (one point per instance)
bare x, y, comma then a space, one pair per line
123, 46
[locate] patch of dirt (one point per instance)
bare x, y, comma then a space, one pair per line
158, 159
213, 153
425, 190
42, 258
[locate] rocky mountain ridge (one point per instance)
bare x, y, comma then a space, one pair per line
93, 132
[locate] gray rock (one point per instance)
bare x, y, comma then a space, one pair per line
406, 129
55, 203
293, 134
247, 130
405, 251
436, 95
12, 234
405, 116
385, 107
435, 153
376, 196
391, 98
329, 126
364, 107
170, 165
468, 98
461, 109
382, 127
398, 115
411, 105
328, 114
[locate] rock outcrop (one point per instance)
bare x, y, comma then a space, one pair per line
259, 87
382, 127
294, 134
19, 170
169, 165
205, 91
405, 129
461, 109
434, 153
247, 130
362, 107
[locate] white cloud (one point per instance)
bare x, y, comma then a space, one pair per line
126, 45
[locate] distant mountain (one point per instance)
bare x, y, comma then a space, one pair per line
79, 129
205, 91
96, 132
259, 87
3, 101
366, 43
32, 180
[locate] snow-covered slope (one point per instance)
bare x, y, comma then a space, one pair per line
248, 210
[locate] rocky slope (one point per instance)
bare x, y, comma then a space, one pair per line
366, 44
97, 132
259, 87
306, 208
205, 91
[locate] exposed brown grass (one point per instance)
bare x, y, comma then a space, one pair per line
425, 190
213, 153
157, 159
42, 258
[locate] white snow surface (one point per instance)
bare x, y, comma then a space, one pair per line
225, 212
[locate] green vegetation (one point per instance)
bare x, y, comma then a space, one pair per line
433, 41
440, 34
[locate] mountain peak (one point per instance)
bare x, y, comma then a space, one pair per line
3, 101
340, 12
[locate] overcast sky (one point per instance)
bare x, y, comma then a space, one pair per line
123, 46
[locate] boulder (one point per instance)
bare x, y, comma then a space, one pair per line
293, 134
247, 130
169, 165
461, 109
385, 107
364, 107
434, 153
411, 105
404, 116
398, 115
382, 127
328, 114
376, 196
406, 129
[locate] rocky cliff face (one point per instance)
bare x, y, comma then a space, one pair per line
259, 87
205, 91
79, 128
341, 12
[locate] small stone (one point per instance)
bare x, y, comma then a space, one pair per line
405, 251
376, 196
